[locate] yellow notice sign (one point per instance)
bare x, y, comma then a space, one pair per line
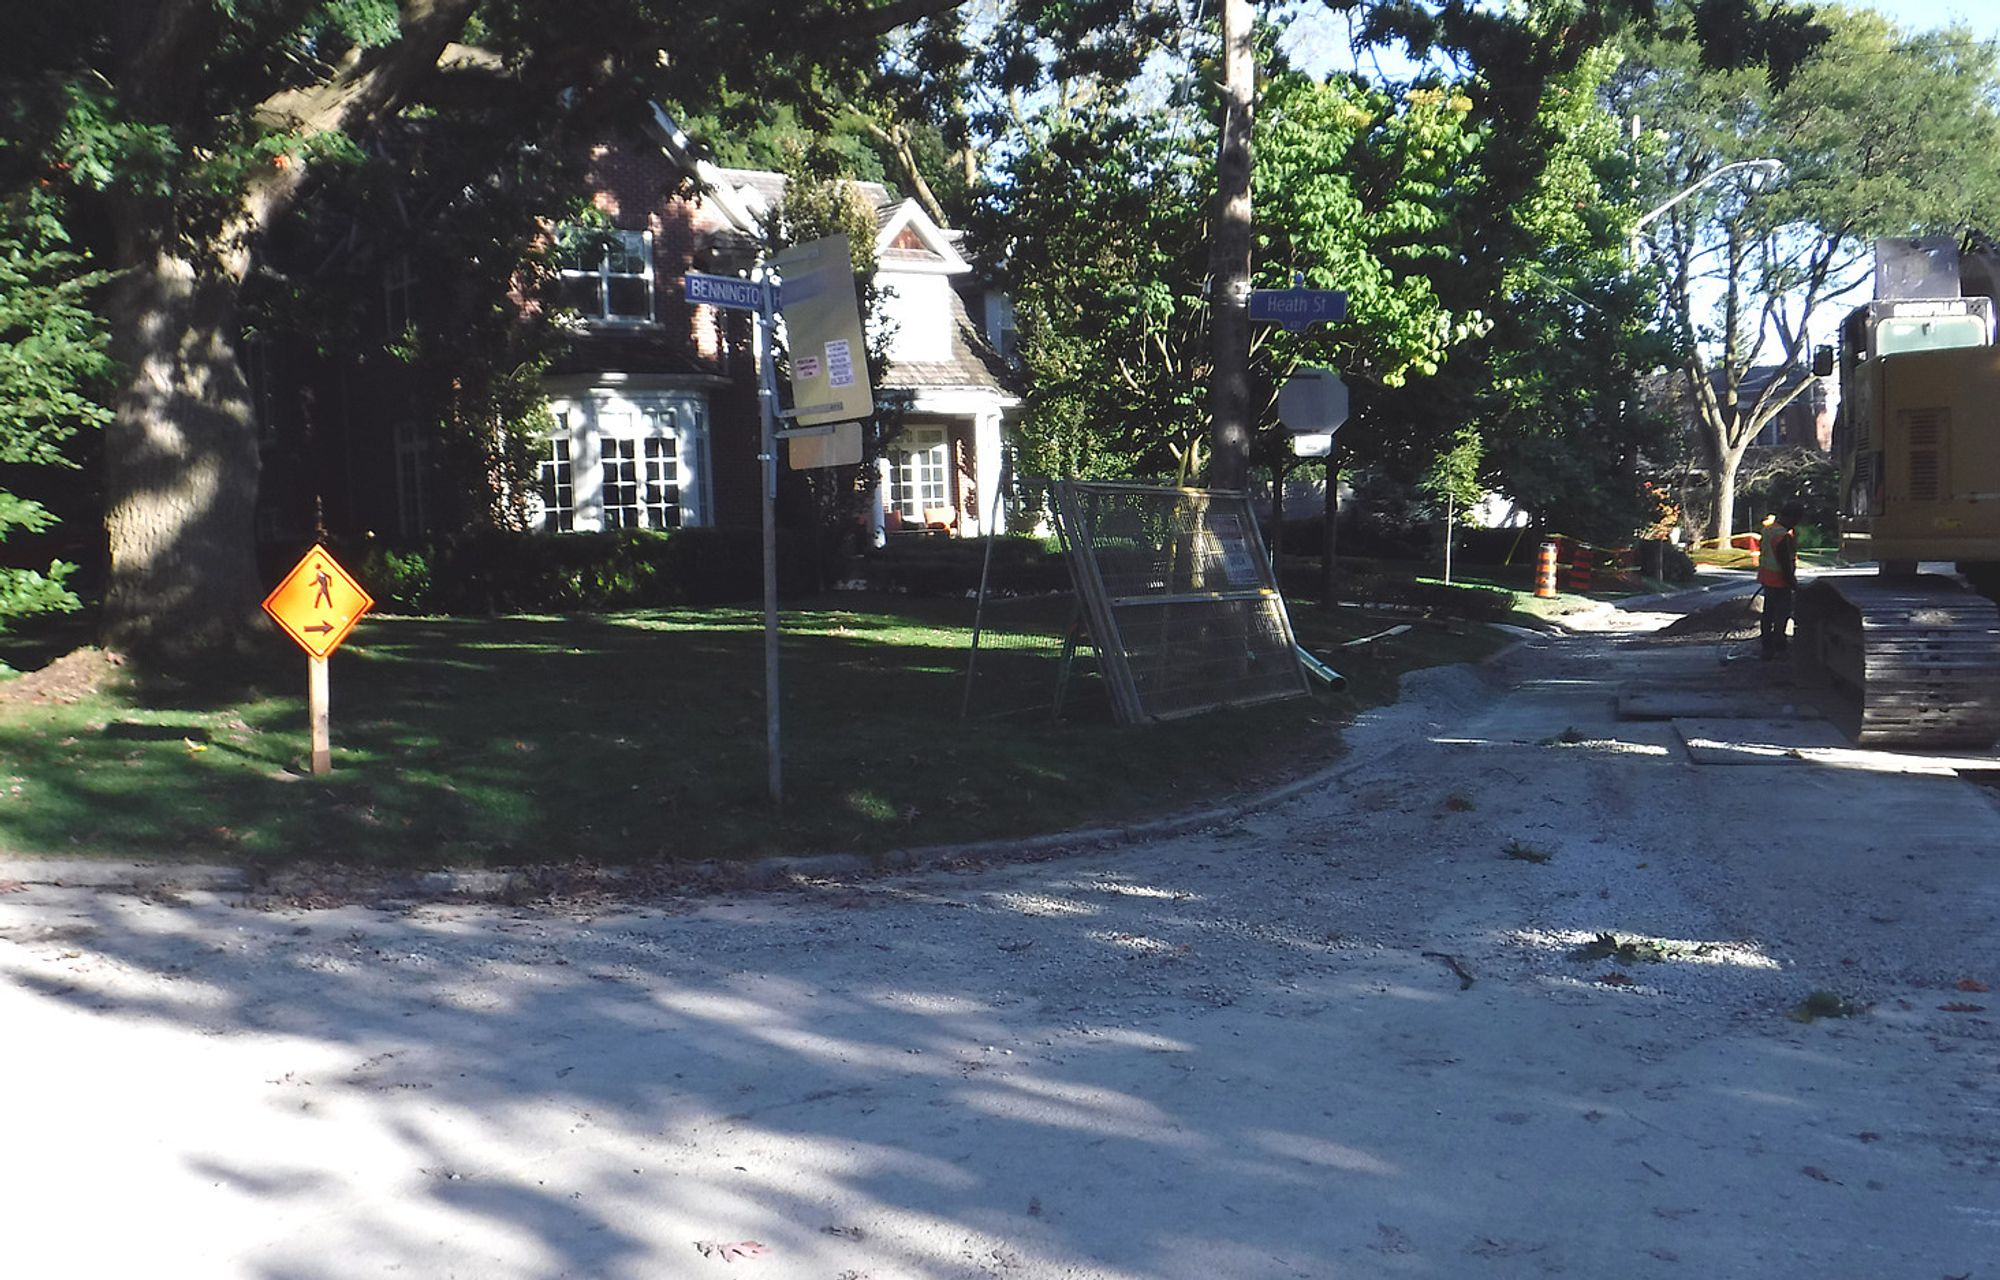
318, 603
823, 333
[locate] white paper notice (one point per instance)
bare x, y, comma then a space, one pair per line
808, 368
839, 364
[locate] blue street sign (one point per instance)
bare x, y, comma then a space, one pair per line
722, 291
1297, 308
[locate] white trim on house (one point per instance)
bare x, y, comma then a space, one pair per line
634, 459
910, 216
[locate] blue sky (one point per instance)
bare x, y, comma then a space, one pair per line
1321, 40
1924, 15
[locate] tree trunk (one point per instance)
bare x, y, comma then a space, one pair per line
1722, 518
181, 464
1229, 261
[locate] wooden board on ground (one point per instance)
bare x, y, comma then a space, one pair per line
1742, 741
1713, 704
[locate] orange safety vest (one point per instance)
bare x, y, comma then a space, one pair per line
1770, 569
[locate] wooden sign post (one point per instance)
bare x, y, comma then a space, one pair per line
317, 604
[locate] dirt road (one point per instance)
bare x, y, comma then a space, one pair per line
1362, 1033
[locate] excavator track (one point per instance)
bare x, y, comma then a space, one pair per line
1906, 661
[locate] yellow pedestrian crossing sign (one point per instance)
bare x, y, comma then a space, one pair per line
318, 603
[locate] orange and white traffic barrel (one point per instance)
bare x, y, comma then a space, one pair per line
1545, 572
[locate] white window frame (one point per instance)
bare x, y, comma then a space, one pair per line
640, 242
637, 461
558, 480
919, 458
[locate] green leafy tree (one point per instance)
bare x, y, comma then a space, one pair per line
186, 131
1107, 282
52, 360
1105, 287
1452, 482
1567, 430
1359, 197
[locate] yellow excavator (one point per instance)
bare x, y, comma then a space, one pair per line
1909, 658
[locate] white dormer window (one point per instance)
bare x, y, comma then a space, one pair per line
607, 275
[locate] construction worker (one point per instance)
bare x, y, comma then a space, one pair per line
1778, 574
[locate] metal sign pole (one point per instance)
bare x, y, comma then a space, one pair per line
767, 458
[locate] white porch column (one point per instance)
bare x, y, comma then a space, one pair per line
586, 466
878, 535
986, 472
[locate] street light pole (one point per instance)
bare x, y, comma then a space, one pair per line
1770, 168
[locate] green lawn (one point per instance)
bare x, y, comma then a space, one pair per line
640, 736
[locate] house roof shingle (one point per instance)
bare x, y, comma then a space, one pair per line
770, 189
973, 364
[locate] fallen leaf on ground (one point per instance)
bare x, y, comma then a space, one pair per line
1816, 1173
1868, 1135
1615, 980
1960, 1006
1972, 984
729, 1252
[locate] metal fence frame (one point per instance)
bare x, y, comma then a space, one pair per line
1208, 562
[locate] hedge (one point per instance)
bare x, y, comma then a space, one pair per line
922, 566
493, 571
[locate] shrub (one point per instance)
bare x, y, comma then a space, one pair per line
922, 566
1814, 538
1677, 565
488, 571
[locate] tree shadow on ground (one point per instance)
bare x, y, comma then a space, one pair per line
1236, 1055
635, 739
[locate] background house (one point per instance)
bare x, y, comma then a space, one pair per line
1805, 423
654, 414
655, 405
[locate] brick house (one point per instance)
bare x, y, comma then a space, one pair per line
655, 406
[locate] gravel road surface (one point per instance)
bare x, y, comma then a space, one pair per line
1370, 1031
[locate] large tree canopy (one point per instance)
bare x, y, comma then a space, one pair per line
1484, 263
186, 131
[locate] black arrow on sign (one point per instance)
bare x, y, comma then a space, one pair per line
322, 628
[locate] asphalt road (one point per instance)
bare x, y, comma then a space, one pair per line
1360, 1033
